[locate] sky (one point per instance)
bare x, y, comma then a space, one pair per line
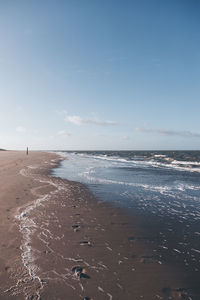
109, 74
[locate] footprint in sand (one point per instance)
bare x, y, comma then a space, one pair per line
131, 238
80, 272
148, 259
179, 293
145, 258
86, 243
76, 227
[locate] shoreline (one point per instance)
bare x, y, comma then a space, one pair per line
72, 245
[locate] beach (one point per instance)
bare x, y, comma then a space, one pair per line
59, 242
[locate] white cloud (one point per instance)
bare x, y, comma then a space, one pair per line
168, 132
77, 120
21, 129
63, 133
74, 119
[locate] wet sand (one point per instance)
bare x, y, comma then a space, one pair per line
59, 242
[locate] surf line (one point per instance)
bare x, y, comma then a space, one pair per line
27, 227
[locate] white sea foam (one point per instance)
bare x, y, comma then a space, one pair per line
190, 163
62, 154
28, 226
104, 157
174, 164
160, 189
140, 161
111, 158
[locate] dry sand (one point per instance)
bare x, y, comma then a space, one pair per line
59, 242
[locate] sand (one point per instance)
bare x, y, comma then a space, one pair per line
59, 242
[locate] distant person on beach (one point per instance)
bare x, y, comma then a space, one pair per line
27, 151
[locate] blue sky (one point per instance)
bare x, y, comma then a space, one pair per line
109, 74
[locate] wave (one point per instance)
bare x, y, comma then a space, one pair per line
163, 189
190, 163
105, 157
154, 161
160, 189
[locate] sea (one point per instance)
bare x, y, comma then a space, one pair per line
163, 187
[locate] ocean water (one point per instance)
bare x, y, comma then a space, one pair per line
162, 186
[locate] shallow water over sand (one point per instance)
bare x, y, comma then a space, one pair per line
162, 186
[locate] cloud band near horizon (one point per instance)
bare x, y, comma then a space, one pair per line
77, 120
184, 133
